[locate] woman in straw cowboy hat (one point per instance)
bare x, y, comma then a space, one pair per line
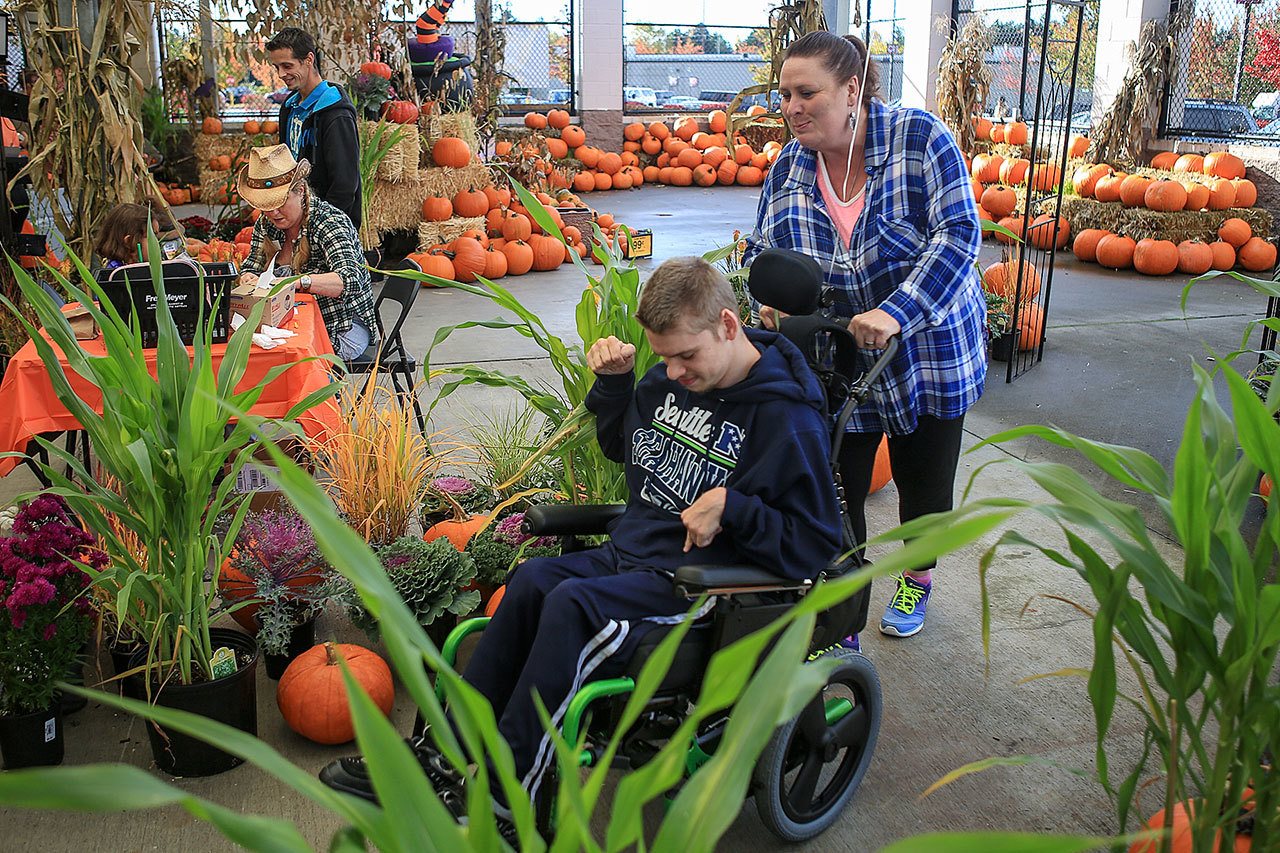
309, 237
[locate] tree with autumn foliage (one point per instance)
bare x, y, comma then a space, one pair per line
1266, 64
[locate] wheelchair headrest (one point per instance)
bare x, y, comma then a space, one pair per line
829, 349
786, 280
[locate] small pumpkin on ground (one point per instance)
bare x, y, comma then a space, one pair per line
312, 694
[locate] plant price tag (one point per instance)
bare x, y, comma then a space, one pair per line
50, 729
223, 662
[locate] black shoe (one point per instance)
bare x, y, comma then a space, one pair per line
351, 774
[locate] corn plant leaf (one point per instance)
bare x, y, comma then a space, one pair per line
999, 842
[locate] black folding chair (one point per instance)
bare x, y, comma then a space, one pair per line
388, 353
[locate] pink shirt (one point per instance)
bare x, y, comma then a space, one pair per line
843, 213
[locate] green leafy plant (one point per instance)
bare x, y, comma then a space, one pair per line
171, 449
502, 442
1200, 635
428, 576
277, 552
500, 546
999, 320
451, 496
376, 141
729, 258
763, 676
156, 126
607, 307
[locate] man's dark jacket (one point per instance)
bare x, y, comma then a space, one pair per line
330, 143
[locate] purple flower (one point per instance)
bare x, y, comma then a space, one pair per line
50, 631
453, 486
510, 531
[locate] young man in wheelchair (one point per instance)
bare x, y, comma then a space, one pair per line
726, 447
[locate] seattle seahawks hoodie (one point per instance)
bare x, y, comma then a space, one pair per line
765, 439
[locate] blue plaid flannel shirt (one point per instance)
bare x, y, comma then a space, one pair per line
911, 254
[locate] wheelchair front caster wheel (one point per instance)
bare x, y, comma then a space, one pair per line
813, 764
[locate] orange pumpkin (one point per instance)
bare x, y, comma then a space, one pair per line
495, 264
436, 209
1246, 192
1085, 246
1198, 196
1115, 251
471, 203
451, 151
583, 182
573, 136
1222, 164
1264, 487
1085, 179
982, 127
211, 125
1016, 224
1257, 255
1045, 177
1042, 234
1224, 255
435, 263
1222, 195
1108, 187
548, 252
1189, 163
1077, 146
1001, 279
1015, 133
1030, 326
704, 175
516, 226
1180, 834
1194, 257
519, 257
468, 259
558, 119
999, 201
1133, 190
1155, 257
252, 128
535, 121
1235, 231
681, 176
881, 472
312, 693
1165, 196
997, 133
491, 606
557, 148
1164, 160
271, 127
458, 533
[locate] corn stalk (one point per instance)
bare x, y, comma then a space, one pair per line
1130, 121
787, 22
964, 79
85, 111
488, 79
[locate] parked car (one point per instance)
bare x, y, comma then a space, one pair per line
1266, 108
716, 100
1217, 117
642, 95
1082, 122
1272, 128
682, 102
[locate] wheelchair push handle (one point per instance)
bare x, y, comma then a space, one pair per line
882, 363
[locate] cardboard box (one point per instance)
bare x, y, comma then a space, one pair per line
264, 494
279, 308
640, 245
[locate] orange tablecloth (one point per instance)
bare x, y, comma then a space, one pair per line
29, 406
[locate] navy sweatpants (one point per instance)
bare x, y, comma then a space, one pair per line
563, 621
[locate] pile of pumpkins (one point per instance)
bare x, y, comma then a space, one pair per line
1236, 245
218, 251
1212, 182
1001, 279
679, 155
511, 242
176, 193
993, 179
213, 127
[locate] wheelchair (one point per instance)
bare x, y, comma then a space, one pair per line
813, 764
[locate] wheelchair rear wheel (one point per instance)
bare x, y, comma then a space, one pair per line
811, 767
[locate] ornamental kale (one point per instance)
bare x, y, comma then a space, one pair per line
497, 549
45, 617
429, 576
446, 494
277, 552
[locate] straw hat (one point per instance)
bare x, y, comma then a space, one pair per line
265, 181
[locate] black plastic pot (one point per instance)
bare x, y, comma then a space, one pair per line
232, 700
301, 638
32, 740
1003, 347
121, 655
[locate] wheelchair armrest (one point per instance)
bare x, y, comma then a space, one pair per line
564, 520
692, 581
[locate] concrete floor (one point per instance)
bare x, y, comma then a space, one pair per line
1116, 368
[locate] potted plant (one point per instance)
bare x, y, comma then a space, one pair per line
430, 577
43, 626
170, 445
500, 546
1002, 339
277, 556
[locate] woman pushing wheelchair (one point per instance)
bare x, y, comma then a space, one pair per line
881, 198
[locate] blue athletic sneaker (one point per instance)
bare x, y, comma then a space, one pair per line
904, 617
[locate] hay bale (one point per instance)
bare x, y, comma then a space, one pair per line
431, 233
208, 146
212, 183
432, 126
1140, 223
396, 206
443, 181
760, 131
401, 159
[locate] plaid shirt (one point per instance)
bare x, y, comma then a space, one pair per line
334, 248
912, 254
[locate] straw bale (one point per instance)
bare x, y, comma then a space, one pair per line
447, 182
433, 125
211, 184
431, 233
401, 159
1140, 223
763, 130
210, 145
396, 206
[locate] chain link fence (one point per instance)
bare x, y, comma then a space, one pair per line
1017, 30
1225, 76
882, 32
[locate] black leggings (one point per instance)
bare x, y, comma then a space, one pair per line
924, 470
